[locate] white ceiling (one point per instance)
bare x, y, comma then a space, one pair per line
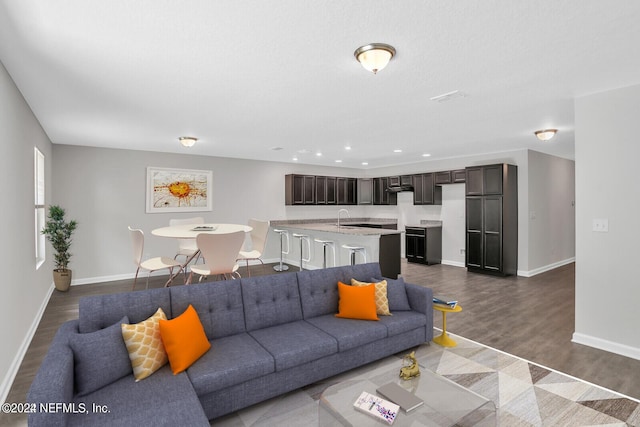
248, 76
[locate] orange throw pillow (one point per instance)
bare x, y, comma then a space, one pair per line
184, 339
357, 302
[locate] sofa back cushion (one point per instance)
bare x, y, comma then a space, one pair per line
100, 311
218, 304
271, 300
319, 288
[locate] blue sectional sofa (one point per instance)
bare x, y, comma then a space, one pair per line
268, 334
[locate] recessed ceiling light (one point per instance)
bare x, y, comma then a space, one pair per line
426, 155
295, 159
347, 147
319, 154
365, 163
338, 161
397, 151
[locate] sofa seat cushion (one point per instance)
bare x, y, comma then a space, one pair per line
161, 399
295, 343
350, 333
403, 321
230, 361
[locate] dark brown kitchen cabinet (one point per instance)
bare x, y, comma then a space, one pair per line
381, 194
321, 190
326, 190
458, 175
425, 192
443, 177
492, 219
347, 191
365, 191
423, 244
484, 180
300, 189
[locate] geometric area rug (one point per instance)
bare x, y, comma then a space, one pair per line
528, 394
525, 394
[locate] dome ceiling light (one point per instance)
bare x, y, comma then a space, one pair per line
546, 134
375, 56
187, 141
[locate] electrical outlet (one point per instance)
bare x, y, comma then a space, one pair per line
600, 225
462, 251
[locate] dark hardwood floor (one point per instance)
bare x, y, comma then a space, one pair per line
532, 318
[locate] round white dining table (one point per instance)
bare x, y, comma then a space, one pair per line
190, 231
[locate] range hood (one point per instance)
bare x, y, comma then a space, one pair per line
400, 183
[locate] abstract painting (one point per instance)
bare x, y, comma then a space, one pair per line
178, 190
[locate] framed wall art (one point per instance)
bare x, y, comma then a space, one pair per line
178, 190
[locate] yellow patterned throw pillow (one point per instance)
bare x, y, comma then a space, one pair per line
144, 344
382, 303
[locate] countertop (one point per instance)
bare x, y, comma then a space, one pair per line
331, 226
426, 224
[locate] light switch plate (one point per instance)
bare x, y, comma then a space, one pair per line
601, 225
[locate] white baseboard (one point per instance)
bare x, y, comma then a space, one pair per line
549, 267
606, 345
143, 275
453, 263
10, 376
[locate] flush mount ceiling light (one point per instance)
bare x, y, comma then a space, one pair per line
546, 134
375, 56
187, 141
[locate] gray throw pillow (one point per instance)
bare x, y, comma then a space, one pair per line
100, 358
396, 294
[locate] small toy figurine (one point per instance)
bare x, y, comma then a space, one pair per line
411, 369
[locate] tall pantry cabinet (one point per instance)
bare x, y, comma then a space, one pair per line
492, 219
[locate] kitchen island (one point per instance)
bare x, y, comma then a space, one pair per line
379, 237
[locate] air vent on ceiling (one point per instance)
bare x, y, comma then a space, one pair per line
448, 96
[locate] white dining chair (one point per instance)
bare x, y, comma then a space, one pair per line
220, 252
152, 264
258, 234
187, 247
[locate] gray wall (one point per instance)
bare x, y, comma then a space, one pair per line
551, 214
607, 153
104, 190
24, 289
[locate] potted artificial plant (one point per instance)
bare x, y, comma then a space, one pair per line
58, 232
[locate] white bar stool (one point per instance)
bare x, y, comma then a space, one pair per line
303, 238
327, 243
353, 250
282, 233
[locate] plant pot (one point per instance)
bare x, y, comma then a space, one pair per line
62, 279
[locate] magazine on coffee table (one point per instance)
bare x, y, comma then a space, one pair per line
398, 395
377, 407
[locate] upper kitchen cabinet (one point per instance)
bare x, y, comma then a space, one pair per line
326, 190
381, 193
365, 191
485, 180
443, 177
347, 191
458, 175
299, 190
425, 191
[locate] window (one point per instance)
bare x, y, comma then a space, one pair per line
40, 214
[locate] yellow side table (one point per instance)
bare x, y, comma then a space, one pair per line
444, 339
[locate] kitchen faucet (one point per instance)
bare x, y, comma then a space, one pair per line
341, 211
